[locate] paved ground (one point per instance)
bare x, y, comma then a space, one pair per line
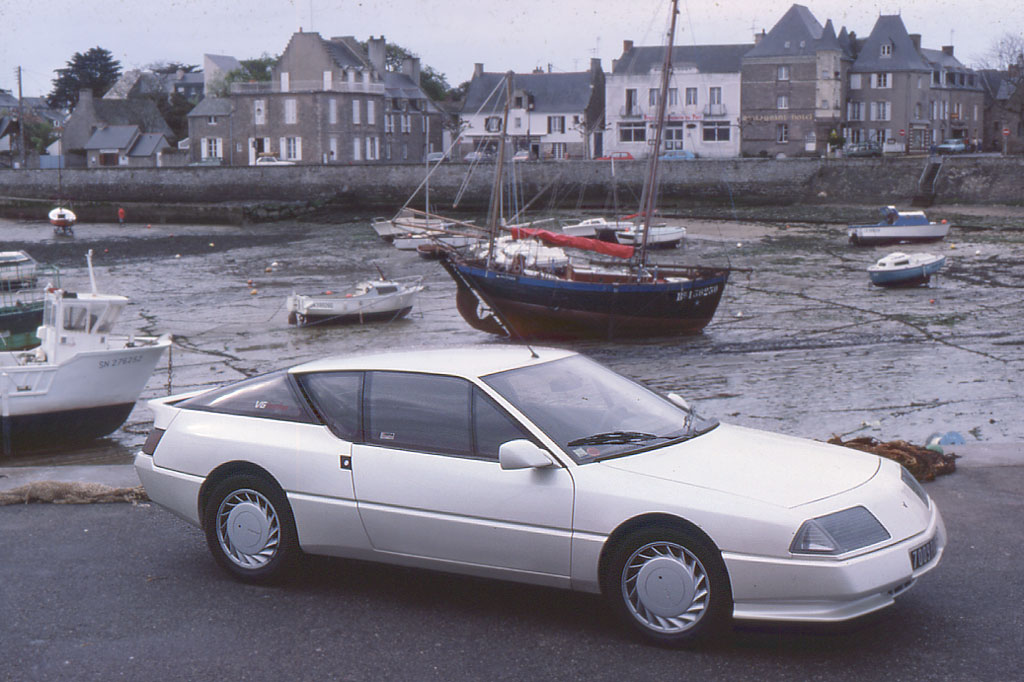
108, 591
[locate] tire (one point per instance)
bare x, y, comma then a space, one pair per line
693, 600
250, 529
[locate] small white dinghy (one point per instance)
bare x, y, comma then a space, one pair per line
905, 270
376, 299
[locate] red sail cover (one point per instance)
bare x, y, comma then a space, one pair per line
586, 243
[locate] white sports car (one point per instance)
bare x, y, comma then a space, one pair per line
541, 466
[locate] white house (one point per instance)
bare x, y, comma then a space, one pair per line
702, 114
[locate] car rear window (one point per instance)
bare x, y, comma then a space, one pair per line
271, 396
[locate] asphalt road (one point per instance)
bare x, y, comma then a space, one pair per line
104, 592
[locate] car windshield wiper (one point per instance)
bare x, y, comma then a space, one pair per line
616, 438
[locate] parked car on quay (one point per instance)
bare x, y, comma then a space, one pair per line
863, 149
479, 155
616, 156
677, 155
951, 146
272, 161
436, 157
541, 466
522, 155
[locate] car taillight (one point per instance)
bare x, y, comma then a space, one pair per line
152, 441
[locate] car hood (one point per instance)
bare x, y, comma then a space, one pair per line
769, 467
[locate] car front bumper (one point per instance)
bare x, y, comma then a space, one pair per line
825, 589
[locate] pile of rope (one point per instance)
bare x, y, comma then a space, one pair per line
924, 463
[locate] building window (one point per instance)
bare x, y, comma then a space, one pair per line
372, 148
492, 124
518, 102
691, 97
211, 148
824, 104
212, 120
371, 114
355, 112
631, 103
407, 123
292, 148
886, 50
855, 81
880, 111
556, 124
714, 95
389, 123
284, 81
291, 111
783, 72
673, 97
259, 112
782, 133
652, 97
328, 80
855, 111
881, 80
632, 132
357, 149
782, 102
332, 109
405, 151
517, 122
673, 135
715, 131
917, 111
558, 150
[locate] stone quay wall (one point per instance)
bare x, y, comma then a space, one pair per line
235, 195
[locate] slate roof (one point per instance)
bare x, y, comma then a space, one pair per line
796, 34
552, 92
113, 137
399, 85
346, 52
996, 84
139, 112
225, 63
7, 100
905, 57
212, 106
706, 58
148, 144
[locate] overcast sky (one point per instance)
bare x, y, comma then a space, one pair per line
449, 35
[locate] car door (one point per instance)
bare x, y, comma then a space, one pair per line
428, 483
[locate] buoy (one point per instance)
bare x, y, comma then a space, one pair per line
931, 300
211, 244
739, 313
177, 255
274, 264
328, 293
952, 246
978, 252
268, 270
106, 250
149, 227
253, 292
739, 244
249, 282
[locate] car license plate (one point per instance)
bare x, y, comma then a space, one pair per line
922, 555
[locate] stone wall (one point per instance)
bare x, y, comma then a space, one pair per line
566, 185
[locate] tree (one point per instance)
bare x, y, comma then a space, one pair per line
253, 70
39, 134
96, 70
171, 68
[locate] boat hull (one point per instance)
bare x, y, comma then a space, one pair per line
894, 234
538, 307
319, 318
905, 277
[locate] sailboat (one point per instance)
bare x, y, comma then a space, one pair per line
63, 219
514, 294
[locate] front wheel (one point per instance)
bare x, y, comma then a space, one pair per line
250, 529
670, 584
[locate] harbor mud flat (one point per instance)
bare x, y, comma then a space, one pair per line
802, 343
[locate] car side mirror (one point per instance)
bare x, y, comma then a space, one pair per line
522, 454
678, 401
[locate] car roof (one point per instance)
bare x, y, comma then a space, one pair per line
472, 361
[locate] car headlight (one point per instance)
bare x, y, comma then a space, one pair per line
838, 533
911, 482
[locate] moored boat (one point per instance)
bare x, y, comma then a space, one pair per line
660, 237
898, 226
81, 382
372, 300
18, 270
904, 270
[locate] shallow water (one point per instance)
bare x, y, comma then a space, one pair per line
802, 343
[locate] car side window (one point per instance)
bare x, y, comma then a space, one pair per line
425, 412
270, 396
335, 396
492, 426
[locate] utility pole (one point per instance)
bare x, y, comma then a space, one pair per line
21, 119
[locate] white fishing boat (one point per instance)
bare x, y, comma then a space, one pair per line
898, 226
905, 270
372, 300
63, 220
81, 381
597, 228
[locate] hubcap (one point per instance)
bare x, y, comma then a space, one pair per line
665, 587
248, 528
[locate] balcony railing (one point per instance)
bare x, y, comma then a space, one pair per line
631, 112
269, 87
715, 110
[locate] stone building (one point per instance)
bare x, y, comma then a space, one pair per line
702, 114
1004, 108
792, 86
551, 116
908, 98
328, 101
91, 114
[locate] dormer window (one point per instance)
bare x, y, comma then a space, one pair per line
886, 49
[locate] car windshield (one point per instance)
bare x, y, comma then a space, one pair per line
594, 413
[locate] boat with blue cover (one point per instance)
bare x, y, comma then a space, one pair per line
905, 270
897, 226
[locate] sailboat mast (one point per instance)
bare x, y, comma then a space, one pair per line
492, 222
651, 186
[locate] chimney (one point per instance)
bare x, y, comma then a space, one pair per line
376, 48
478, 69
595, 64
85, 98
916, 39
627, 45
411, 68
947, 50
758, 37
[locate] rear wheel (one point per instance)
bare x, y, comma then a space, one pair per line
670, 584
250, 529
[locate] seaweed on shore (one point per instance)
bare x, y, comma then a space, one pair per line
925, 464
